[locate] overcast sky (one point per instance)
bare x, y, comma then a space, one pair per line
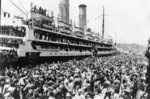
128, 19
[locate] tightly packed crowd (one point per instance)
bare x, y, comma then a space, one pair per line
8, 56
116, 77
13, 31
11, 41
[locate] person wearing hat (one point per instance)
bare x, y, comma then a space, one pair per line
51, 95
126, 94
68, 95
79, 95
140, 93
134, 89
107, 89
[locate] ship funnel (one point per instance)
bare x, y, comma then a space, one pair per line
82, 15
64, 11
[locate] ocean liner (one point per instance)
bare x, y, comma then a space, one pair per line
43, 36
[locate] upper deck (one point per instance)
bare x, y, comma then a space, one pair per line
12, 35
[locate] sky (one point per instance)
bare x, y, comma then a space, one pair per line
126, 21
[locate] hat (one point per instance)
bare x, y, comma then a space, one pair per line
71, 78
107, 82
68, 94
55, 92
61, 86
80, 90
116, 81
142, 78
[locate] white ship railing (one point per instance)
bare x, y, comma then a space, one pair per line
67, 35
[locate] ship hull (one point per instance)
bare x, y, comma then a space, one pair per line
23, 61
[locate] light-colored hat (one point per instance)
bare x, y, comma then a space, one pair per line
107, 82
68, 94
142, 78
80, 90
116, 81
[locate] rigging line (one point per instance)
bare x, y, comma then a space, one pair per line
21, 5
17, 7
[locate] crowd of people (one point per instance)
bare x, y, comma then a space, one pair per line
13, 31
39, 10
8, 56
117, 77
11, 41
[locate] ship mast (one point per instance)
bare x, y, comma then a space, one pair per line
0, 12
103, 25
